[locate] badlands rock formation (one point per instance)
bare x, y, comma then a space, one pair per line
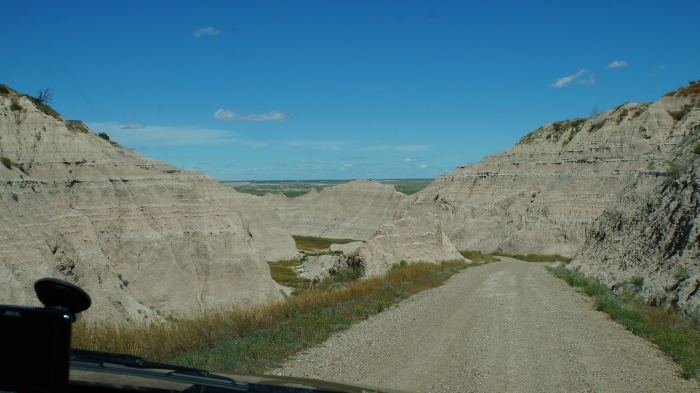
353, 210
653, 229
541, 195
140, 236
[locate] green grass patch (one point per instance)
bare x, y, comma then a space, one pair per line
259, 338
284, 273
478, 256
7, 162
675, 334
310, 243
536, 257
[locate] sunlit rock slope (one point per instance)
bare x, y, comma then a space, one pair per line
142, 237
541, 195
353, 210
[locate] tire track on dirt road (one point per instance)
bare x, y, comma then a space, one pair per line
505, 326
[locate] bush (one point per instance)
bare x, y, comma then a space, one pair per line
673, 171
15, 105
103, 135
651, 166
7, 162
680, 114
681, 273
4, 90
696, 149
637, 281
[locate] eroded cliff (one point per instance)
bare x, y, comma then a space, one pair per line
143, 238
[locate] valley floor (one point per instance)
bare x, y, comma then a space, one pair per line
504, 326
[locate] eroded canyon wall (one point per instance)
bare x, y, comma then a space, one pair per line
143, 238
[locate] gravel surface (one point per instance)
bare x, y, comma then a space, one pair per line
505, 326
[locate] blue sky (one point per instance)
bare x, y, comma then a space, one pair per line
276, 90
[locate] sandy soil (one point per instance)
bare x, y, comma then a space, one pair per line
506, 326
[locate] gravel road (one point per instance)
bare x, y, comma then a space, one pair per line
508, 326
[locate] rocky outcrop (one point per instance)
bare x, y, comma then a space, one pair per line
652, 231
142, 237
353, 210
541, 195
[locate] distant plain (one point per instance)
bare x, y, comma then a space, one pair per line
294, 188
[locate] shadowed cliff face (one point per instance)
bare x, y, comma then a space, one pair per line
142, 237
653, 230
541, 195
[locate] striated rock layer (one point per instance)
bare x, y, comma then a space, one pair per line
652, 231
353, 210
142, 237
541, 195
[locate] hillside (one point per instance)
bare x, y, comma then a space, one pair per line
652, 231
127, 229
354, 210
540, 195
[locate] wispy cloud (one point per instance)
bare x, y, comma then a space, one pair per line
400, 148
318, 145
423, 166
129, 116
562, 82
155, 136
311, 151
254, 144
346, 166
348, 158
617, 64
656, 71
133, 126
588, 81
229, 115
207, 31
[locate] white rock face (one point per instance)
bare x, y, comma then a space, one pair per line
353, 210
652, 230
346, 248
79, 208
541, 195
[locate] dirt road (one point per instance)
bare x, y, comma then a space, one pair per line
506, 326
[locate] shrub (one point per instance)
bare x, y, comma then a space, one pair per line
15, 105
637, 281
103, 135
680, 114
673, 171
4, 90
651, 166
7, 162
696, 149
681, 273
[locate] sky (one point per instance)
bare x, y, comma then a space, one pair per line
285, 90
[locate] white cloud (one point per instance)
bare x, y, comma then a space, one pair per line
617, 64
588, 81
155, 136
319, 145
133, 126
229, 115
254, 144
423, 166
346, 166
400, 148
562, 82
207, 30
129, 116
348, 158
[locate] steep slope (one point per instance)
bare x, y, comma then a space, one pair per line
653, 230
540, 195
142, 237
353, 210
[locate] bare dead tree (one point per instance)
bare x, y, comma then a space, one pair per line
45, 96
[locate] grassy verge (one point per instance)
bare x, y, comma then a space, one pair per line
478, 256
284, 273
536, 257
258, 338
309, 243
676, 335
